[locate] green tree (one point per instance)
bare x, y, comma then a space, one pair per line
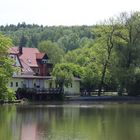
54, 53
128, 49
90, 78
86, 58
67, 37
105, 43
23, 41
69, 42
6, 68
65, 72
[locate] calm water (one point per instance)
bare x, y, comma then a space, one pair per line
81, 121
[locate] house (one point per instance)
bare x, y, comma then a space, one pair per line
34, 71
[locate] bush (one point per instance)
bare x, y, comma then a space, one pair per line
10, 95
7, 94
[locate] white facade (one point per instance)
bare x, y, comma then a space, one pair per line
16, 83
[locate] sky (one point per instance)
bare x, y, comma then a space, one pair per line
63, 12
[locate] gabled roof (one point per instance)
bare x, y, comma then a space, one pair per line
28, 59
28, 55
13, 50
40, 55
26, 70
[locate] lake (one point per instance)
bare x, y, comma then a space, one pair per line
70, 121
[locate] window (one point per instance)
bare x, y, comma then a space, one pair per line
16, 84
11, 84
12, 56
37, 71
44, 61
34, 84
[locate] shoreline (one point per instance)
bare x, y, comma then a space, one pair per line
10, 102
103, 98
83, 98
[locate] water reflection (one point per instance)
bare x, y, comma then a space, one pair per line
70, 122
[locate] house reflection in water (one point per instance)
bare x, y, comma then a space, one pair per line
29, 132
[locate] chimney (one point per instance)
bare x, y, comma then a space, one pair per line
22, 44
20, 50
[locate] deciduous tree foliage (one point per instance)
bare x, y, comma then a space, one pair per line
65, 72
116, 51
54, 53
105, 43
6, 68
128, 50
86, 58
67, 38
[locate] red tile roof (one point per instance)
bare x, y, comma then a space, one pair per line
39, 55
26, 70
13, 50
28, 56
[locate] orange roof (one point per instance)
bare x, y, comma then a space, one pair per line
39, 55
26, 69
28, 56
13, 50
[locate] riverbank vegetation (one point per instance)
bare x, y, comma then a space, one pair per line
105, 56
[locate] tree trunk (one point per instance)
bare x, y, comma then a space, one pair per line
110, 46
102, 78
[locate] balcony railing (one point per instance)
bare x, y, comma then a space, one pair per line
48, 91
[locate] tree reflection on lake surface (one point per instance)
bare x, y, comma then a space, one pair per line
79, 121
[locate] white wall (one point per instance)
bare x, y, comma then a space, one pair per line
74, 89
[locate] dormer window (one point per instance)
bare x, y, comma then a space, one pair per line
44, 61
29, 60
12, 56
42, 58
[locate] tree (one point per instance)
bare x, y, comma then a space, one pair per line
69, 42
105, 43
64, 74
86, 58
68, 38
54, 53
128, 49
90, 78
6, 68
23, 41
81, 56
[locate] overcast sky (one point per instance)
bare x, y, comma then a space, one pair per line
63, 12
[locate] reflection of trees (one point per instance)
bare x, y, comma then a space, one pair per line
74, 122
30, 114
7, 123
110, 122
